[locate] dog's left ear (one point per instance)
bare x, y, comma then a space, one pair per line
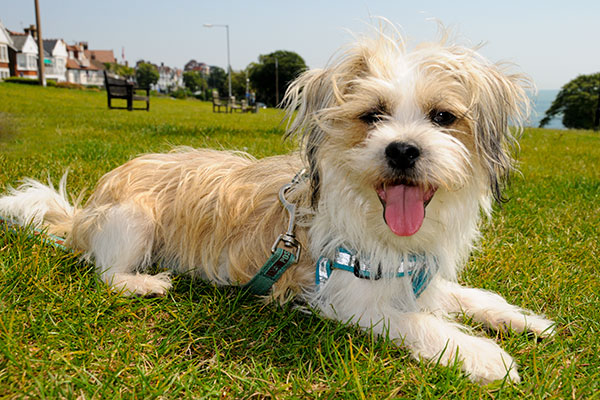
309, 94
499, 104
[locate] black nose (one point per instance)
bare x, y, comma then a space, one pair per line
401, 155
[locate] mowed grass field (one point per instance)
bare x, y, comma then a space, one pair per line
64, 335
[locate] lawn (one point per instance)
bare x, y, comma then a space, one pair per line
64, 335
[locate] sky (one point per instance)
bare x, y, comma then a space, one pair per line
551, 41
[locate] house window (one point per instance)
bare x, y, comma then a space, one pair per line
31, 61
3, 53
22, 61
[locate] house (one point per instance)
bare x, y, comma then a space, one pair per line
55, 59
169, 79
6, 47
100, 57
80, 69
194, 65
26, 50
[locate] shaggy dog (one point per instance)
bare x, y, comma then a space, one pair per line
404, 152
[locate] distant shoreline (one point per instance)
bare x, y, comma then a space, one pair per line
540, 104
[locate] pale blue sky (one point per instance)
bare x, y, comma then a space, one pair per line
552, 41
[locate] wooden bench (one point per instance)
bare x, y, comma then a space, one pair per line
246, 108
217, 103
233, 105
120, 88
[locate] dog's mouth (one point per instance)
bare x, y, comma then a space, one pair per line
404, 206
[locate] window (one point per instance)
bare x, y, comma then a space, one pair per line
3, 53
31, 61
22, 61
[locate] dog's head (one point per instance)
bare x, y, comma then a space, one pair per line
407, 124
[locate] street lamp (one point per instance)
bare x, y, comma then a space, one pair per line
228, 62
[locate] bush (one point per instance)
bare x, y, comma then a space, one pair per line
179, 94
24, 81
69, 85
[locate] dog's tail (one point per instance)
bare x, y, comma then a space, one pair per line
41, 206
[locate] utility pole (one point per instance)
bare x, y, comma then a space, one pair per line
40, 43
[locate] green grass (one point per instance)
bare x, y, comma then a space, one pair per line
64, 335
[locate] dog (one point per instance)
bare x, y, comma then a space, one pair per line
404, 151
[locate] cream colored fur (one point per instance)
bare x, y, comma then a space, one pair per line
215, 215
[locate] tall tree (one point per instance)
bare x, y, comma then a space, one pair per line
146, 75
194, 81
577, 101
121, 70
273, 73
217, 79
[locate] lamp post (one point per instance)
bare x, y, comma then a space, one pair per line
228, 58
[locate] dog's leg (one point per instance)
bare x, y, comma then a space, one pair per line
123, 243
433, 338
485, 307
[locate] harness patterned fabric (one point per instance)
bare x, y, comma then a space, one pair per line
415, 266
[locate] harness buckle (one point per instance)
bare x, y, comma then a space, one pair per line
364, 272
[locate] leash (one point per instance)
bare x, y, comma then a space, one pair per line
47, 238
281, 258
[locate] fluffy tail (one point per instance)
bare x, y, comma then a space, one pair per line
42, 206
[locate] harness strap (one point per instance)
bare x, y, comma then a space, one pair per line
415, 267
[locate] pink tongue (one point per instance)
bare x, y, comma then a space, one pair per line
404, 209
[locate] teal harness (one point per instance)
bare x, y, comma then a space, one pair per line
414, 265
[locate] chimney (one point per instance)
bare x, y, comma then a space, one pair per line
31, 31
84, 45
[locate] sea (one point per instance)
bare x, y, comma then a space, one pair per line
541, 102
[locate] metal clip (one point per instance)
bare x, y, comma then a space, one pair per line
288, 238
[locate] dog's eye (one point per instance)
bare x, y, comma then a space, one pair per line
373, 116
442, 118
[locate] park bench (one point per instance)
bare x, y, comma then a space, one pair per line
120, 88
216, 102
246, 108
233, 105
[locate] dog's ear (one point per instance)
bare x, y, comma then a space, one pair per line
309, 101
498, 106
310, 94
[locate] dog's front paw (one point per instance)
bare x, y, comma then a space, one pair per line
485, 362
542, 327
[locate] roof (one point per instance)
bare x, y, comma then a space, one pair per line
49, 45
18, 40
73, 64
102, 56
5, 33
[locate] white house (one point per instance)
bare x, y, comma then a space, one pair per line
169, 79
27, 55
55, 59
6, 43
79, 67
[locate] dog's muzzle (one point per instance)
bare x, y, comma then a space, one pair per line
403, 199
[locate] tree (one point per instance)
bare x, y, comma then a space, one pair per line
577, 101
194, 81
121, 70
263, 74
146, 75
238, 84
217, 79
